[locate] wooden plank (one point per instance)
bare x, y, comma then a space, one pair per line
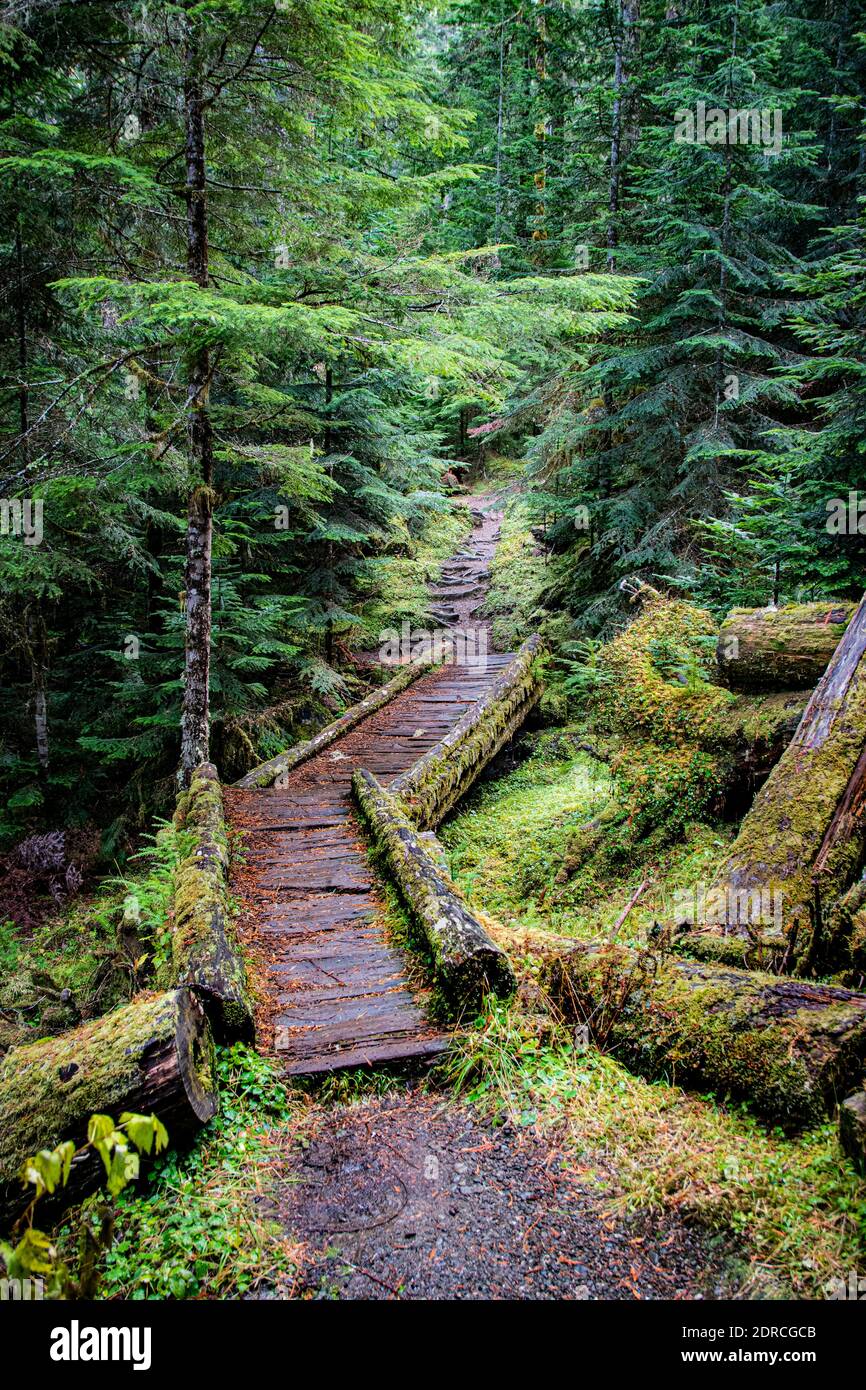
340, 990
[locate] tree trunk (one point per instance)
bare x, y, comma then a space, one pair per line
791, 1048
154, 1056
780, 648
195, 716
804, 836
622, 133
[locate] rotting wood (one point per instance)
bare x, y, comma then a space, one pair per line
434, 784
805, 834
205, 953
852, 1129
467, 963
153, 1056
791, 1048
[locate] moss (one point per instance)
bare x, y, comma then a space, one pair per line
442, 776
467, 963
777, 648
48, 1089
205, 950
780, 839
788, 1049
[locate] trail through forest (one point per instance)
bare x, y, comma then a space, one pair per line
340, 991
415, 1195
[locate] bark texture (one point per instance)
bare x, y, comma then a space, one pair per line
467, 963
195, 714
154, 1056
852, 1129
804, 835
780, 648
205, 954
791, 1048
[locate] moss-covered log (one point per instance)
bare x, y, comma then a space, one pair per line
785, 648
467, 963
153, 1056
434, 784
804, 836
791, 1048
754, 949
204, 952
266, 774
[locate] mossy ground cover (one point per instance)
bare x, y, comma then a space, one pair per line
513, 838
795, 1207
79, 963
203, 1227
794, 1210
398, 581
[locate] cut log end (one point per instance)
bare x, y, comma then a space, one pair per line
785, 648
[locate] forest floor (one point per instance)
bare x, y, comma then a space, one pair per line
418, 1193
419, 1196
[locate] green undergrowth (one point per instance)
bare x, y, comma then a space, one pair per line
511, 844
792, 1210
202, 1227
95, 952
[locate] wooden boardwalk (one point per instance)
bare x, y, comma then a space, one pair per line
341, 992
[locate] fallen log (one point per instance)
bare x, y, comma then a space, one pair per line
437, 781
153, 1056
804, 836
205, 954
266, 774
748, 950
791, 1048
467, 963
785, 648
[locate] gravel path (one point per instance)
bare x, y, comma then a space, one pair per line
412, 1196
